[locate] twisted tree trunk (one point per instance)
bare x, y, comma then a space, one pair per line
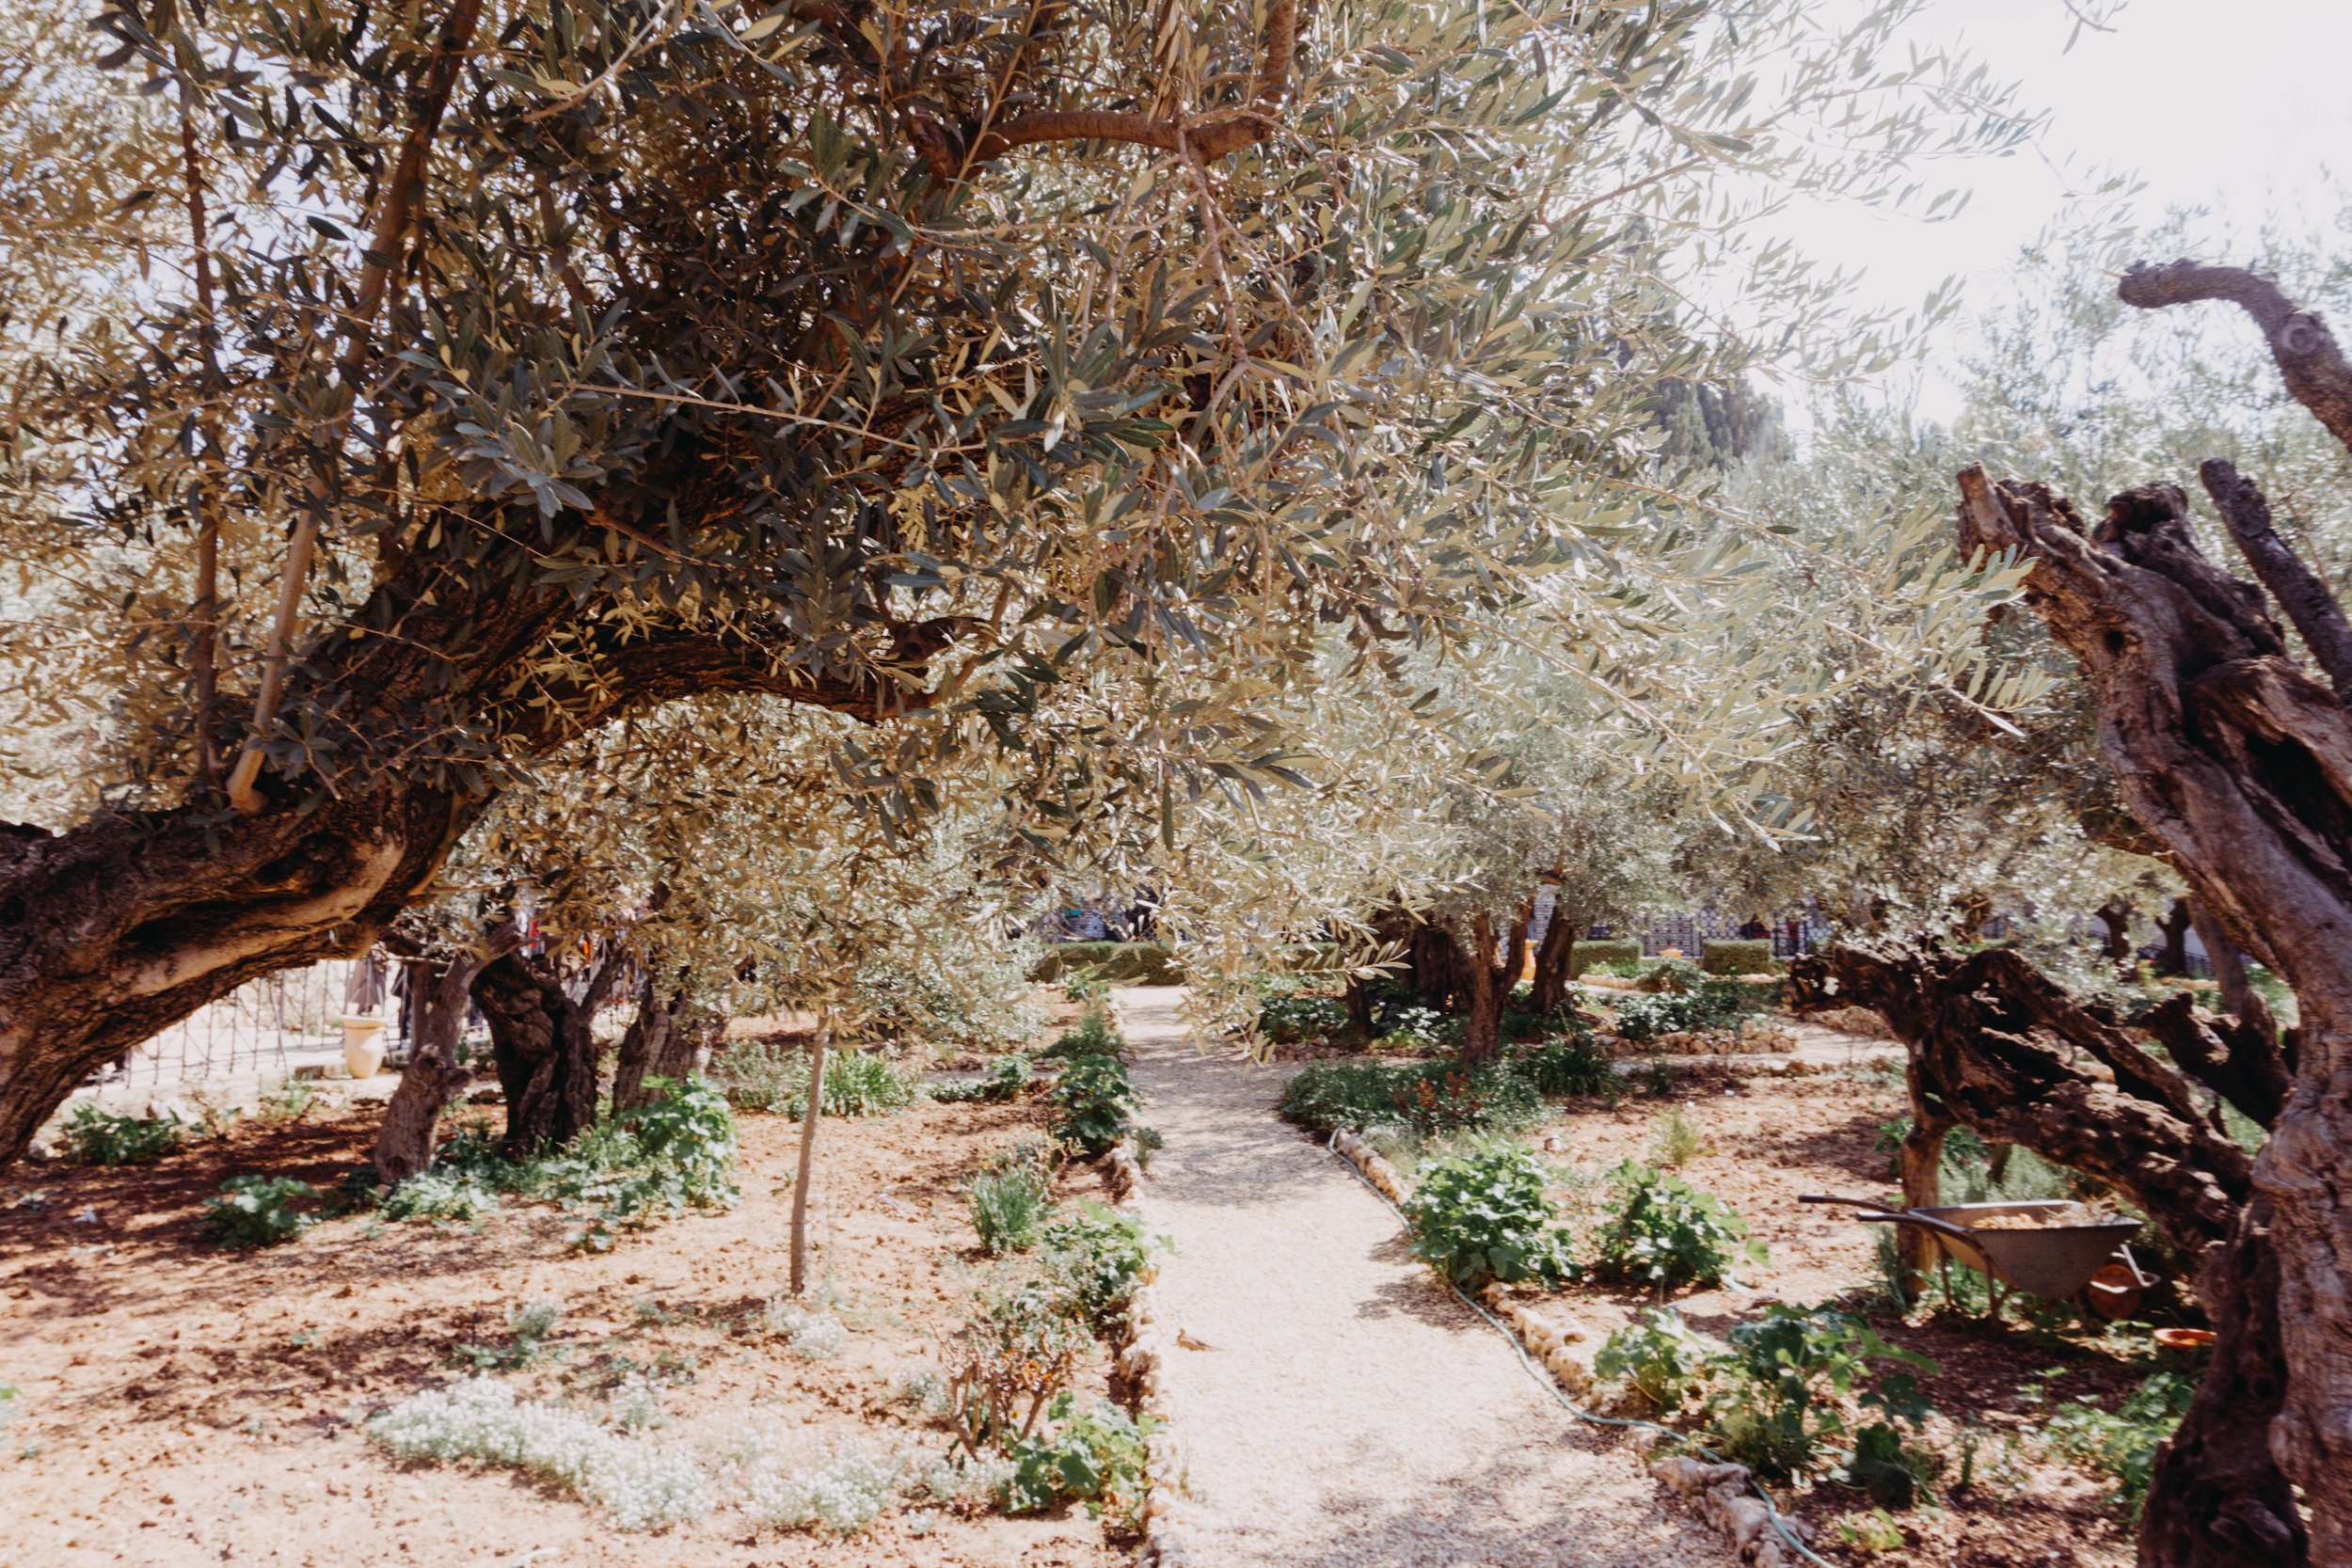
405, 1141
660, 1043
544, 1042
1990, 1037
2240, 762
1555, 957
1490, 977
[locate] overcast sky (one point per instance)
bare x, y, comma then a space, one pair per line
2236, 105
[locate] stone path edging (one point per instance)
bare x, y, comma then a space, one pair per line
1719, 1492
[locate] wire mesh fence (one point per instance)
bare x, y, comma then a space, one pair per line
272, 1026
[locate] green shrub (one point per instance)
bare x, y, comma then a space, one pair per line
1658, 1356
771, 1076
257, 1210
97, 1137
1572, 1066
2124, 1443
1099, 1258
1675, 1139
1445, 1096
1141, 963
1287, 1019
1008, 1209
1736, 956
437, 1194
1781, 1389
1660, 1230
1714, 1005
1485, 1216
1098, 1103
1096, 1458
1094, 1035
1590, 954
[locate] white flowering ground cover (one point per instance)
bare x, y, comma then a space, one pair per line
379, 1393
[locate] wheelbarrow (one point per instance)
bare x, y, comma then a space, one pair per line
2089, 1263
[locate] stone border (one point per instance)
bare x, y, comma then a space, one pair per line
1718, 1492
1140, 1359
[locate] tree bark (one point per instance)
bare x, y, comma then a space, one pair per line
2237, 990
2241, 764
545, 1046
1984, 1034
1492, 977
405, 1141
660, 1044
119, 928
1359, 1001
2115, 916
1554, 959
1441, 972
807, 1170
1920, 1168
2173, 958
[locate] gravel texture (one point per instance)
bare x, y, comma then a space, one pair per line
1350, 1410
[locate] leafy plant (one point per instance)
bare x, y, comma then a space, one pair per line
1094, 1035
1431, 1097
527, 1328
1099, 1258
1010, 1364
1707, 1004
1674, 1140
1096, 1101
1660, 1230
860, 1083
772, 1076
98, 1137
290, 1102
1095, 1457
1485, 1216
1874, 1531
1571, 1065
437, 1194
687, 1128
1782, 1389
1658, 1356
257, 1212
1008, 1209
2124, 1443
1285, 1019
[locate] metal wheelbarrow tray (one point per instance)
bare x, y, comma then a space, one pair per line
2053, 1262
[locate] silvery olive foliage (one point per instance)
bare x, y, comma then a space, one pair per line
772, 331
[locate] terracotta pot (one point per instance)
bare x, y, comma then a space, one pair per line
363, 1046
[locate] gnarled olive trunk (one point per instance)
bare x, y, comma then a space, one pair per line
1989, 1040
545, 1046
660, 1043
405, 1141
1555, 957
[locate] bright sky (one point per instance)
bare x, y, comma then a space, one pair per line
2232, 105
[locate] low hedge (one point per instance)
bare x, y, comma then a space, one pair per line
1610, 950
1135, 963
1737, 957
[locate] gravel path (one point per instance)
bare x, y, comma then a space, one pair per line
1351, 1410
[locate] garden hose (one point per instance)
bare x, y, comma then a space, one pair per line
1552, 1384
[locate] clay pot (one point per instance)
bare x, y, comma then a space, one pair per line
363, 1046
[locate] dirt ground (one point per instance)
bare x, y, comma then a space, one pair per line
177, 1404
1767, 1138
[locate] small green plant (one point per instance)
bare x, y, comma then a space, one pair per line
1485, 1216
1571, 1065
1874, 1531
1008, 1209
291, 1100
1008, 1076
1099, 1258
527, 1329
2122, 1443
1095, 1457
860, 1083
1094, 1035
257, 1212
1674, 1140
1704, 1005
98, 1137
1660, 1230
1782, 1390
1096, 1101
1011, 1363
1658, 1355
435, 1195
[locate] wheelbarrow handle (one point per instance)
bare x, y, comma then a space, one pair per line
1926, 1222
1842, 1203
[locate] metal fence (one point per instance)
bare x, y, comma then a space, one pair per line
273, 1025
1689, 933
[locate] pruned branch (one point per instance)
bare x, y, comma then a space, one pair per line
2307, 600
2306, 351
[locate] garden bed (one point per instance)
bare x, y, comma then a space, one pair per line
178, 1403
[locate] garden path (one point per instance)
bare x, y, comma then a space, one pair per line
1351, 1411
